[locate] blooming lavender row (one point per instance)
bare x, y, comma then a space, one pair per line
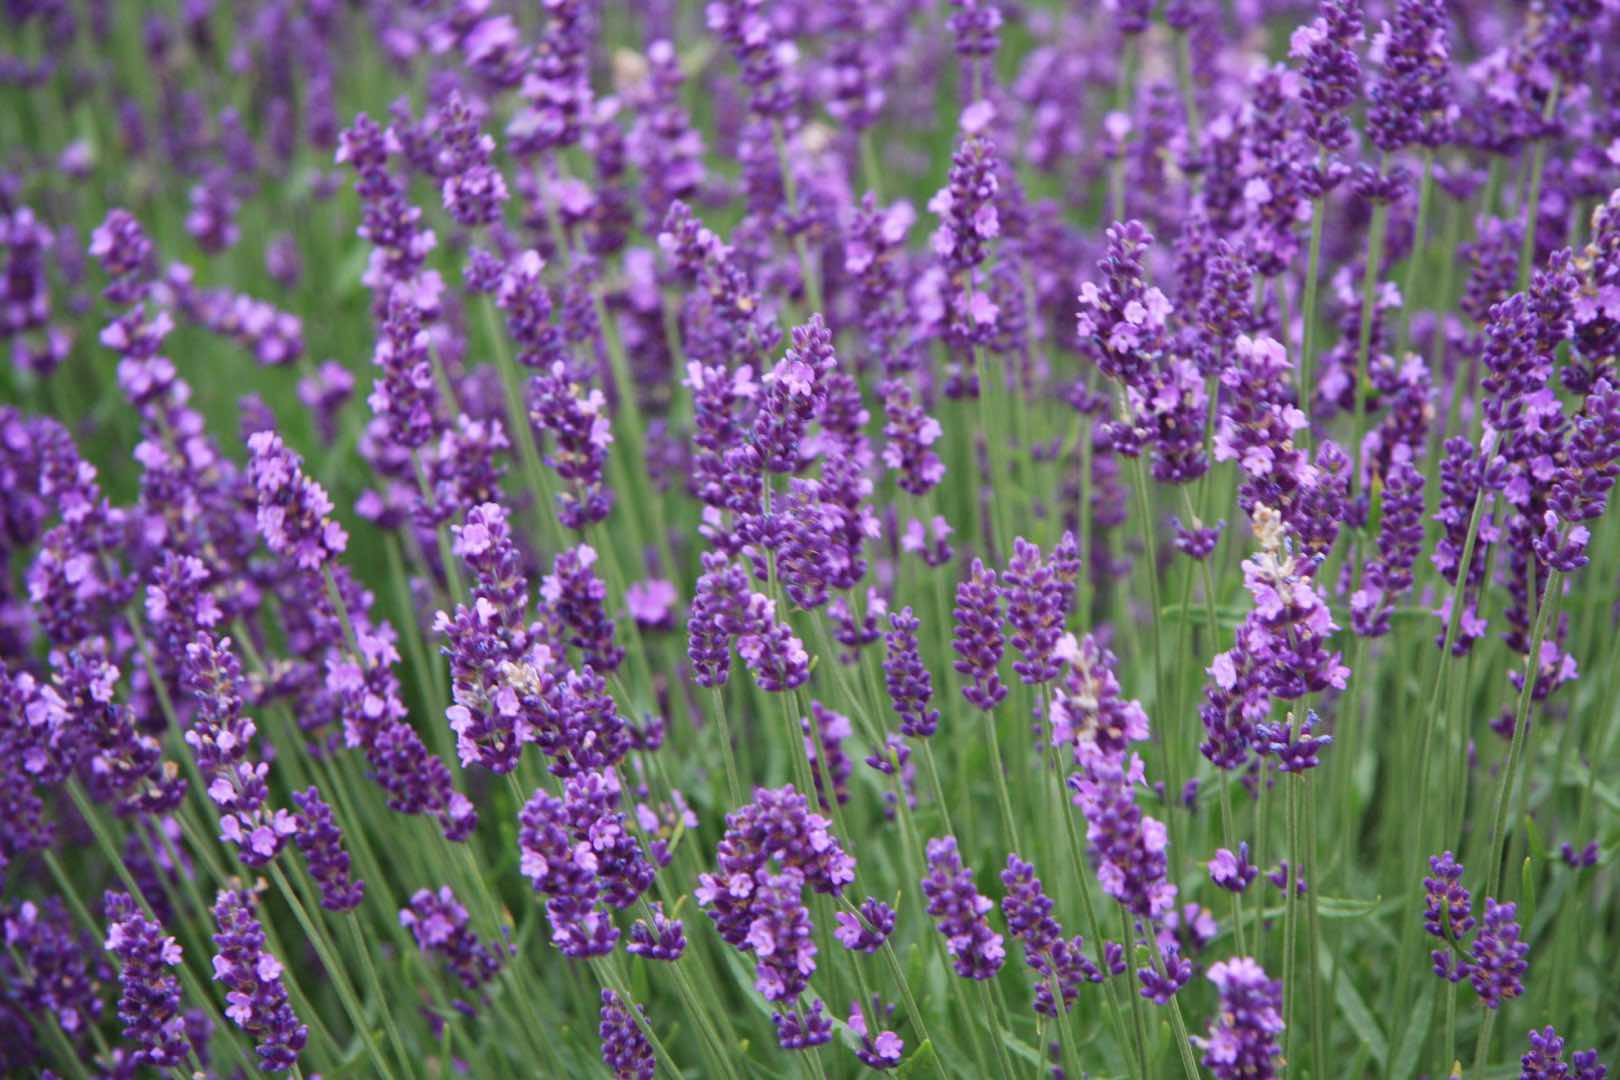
1187, 429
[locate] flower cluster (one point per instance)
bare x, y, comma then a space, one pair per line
773, 849
958, 911
256, 999
578, 851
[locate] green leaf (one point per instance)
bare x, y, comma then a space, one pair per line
1329, 907
1536, 843
1411, 1044
1355, 1012
1527, 895
921, 1062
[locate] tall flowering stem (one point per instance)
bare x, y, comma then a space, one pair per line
1521, 725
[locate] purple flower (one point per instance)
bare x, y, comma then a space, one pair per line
1241, 1041
1038, 595
664, 939
125, 252
625, 1049
1088, 711
388, 221
662, 143
1123, 319
796, 1031
773, 834
438, 922
932, 542
1295, 751
1052, 957
909, 683
739, 326
489, 644
1234, 873
1273, 175
1330, 71
366, 694
719, 614
867, 931
321, 841
581, 434
212, 218
652, 603
1545, 1061
909, 435
1448, 915
324, 393
473, 189
768, 646
255, 998
575, 597
1498, 955
564, 869
97, 735
293, 510
48, 970
958, 911
968, 223
833, 728
1585, 858
780, 936
978, 639
1279, 878
578, 851
1411, 101
1178, 971
1129, 846
149, 1004
794, 394
220, 738
1580, 489
1400, 537
274, 337
881, 1052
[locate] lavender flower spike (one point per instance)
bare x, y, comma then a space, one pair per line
256, 999
959, 912
978, 638
150, 1003
1241, 1043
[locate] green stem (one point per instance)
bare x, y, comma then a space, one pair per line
1521, 721
1538, 162
1414, 261
336, 971
812, 284
1369, 302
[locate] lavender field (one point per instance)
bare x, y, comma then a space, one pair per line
793, 538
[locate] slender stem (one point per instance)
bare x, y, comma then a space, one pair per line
1231, 845
993, 742
997, 1041
1307, 351
1414, 262
1177, 1023
1521, 721
1369, 301
733, 784
335, 970
1189, 101
812, 283
517, 418
1482, 1046
1532, 203
1138, 1016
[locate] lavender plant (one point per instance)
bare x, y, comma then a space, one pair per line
677, 540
